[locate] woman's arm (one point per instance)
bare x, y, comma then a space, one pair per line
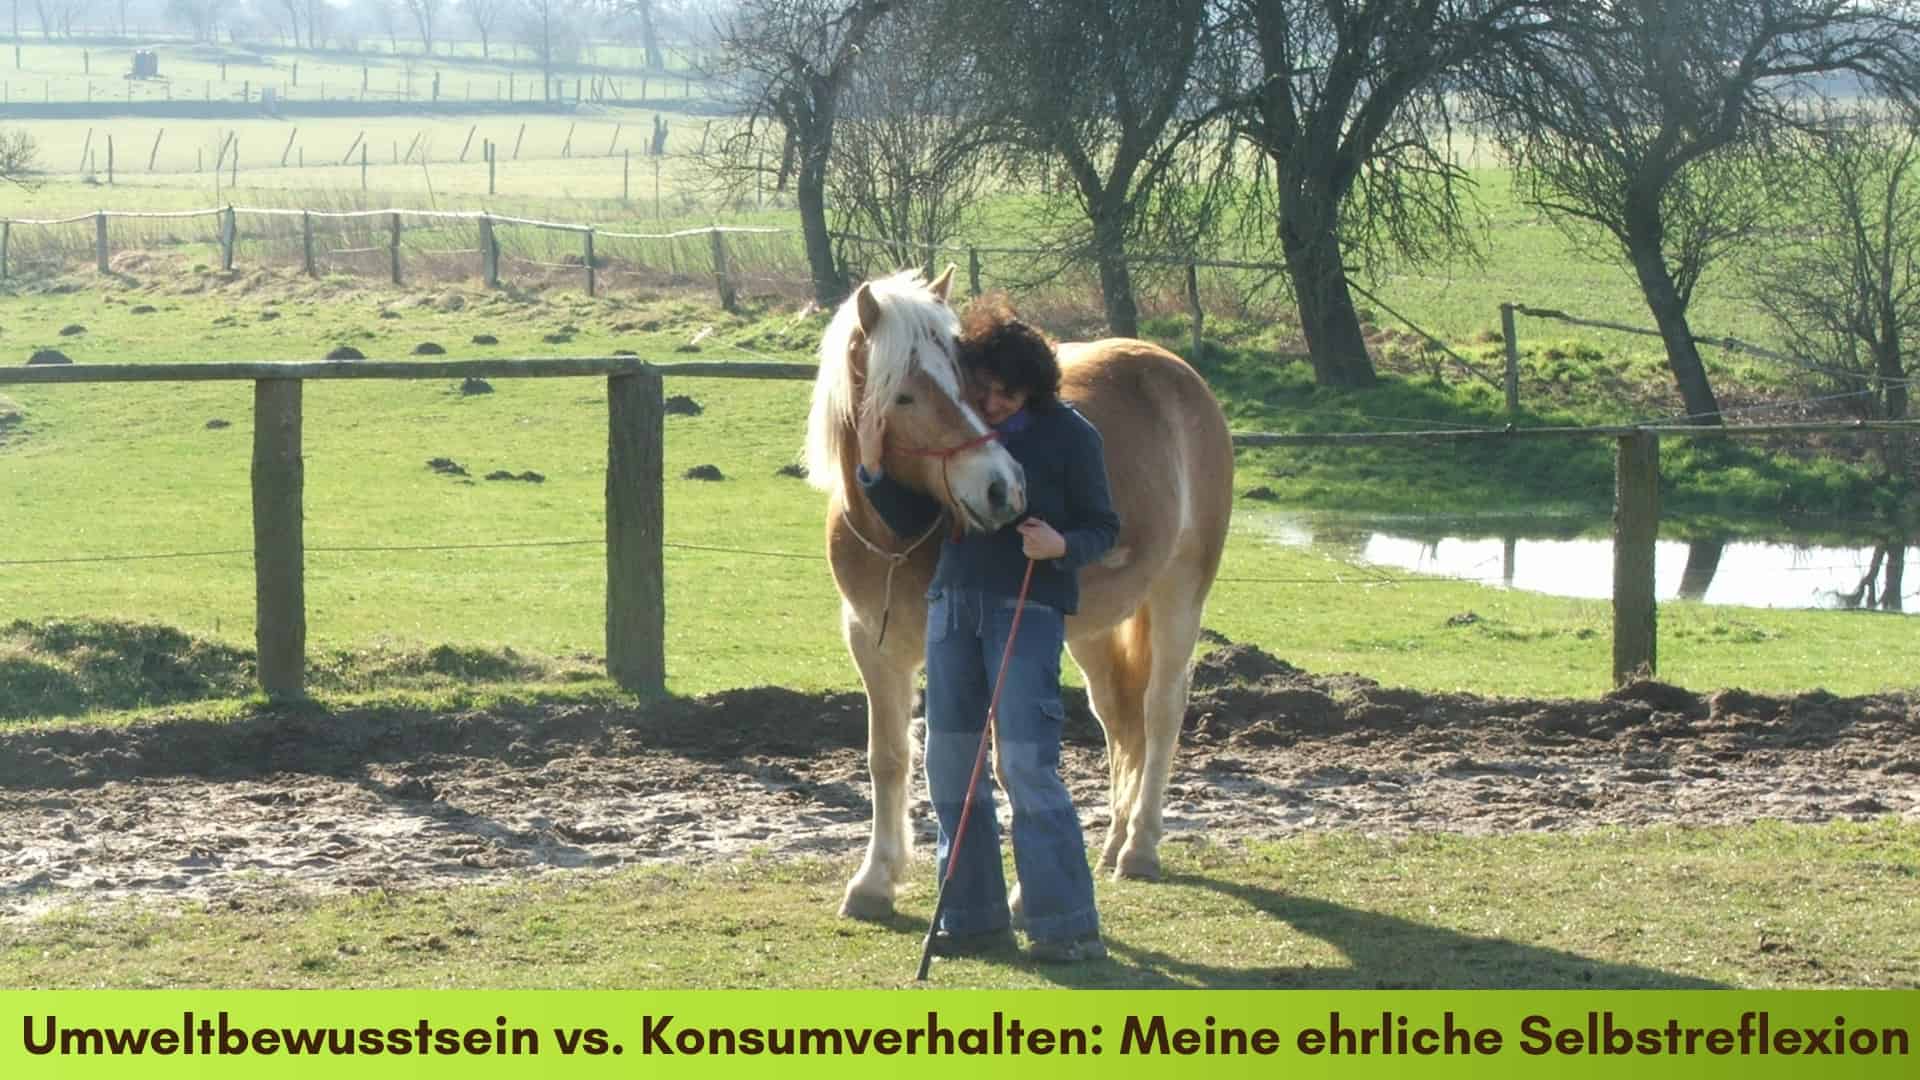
906, 511
1092, 527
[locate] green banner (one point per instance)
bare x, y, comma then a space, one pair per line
1104, 1034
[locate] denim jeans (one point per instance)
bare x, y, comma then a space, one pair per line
966, 634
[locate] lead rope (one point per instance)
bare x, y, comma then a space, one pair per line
973, 782
894, 560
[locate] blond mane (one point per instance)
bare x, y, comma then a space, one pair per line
911, 316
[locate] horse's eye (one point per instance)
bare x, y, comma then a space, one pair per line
903, 399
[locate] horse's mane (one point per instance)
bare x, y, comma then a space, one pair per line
912, 316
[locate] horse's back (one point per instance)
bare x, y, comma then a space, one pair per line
1169, 466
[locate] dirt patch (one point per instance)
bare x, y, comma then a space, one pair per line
333, 801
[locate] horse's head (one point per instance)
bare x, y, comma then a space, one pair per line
893, 347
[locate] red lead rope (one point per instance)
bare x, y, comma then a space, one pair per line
973, 783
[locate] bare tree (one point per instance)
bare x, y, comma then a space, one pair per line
1104, 90
646, 12
17, 154
305, 19
200, 16
1347, 105
549, 30
484, 15
1643, 119
1843, 287
911, 152
787, 64
384, 16
426, 14
59, 15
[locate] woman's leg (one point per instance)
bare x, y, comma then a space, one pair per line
1049, 849
957, 690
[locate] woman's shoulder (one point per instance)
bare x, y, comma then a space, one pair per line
1067, 422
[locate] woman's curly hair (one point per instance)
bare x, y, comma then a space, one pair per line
995, 341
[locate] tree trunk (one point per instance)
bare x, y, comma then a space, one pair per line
1116, 281
1670, 315
1327, 316
810, 192
1896, 578
650, 37
1893, 444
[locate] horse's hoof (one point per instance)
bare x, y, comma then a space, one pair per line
1138, 866
866, 907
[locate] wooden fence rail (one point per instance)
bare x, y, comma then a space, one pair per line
635, 606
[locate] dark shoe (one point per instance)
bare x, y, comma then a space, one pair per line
991, 941
1072, 951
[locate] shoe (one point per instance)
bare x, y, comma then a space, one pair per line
946, 943
1072, 951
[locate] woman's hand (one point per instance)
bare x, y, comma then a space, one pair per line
1040, 540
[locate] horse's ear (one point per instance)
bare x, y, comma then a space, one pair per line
868, 309
943, 283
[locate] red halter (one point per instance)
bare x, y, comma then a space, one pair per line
945, 458
953, 452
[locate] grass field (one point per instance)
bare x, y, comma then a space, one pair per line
134, 469
1765, 906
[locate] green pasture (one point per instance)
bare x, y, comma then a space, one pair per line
60, 72
588, 157
104, 471
1766, 906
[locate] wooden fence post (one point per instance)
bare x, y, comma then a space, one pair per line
1512, 340
588, 240
100, 241
1636, 523
636, 574
229, 235
306, 243
393, 244
493, 150
973, 269
1193, 305
110, 158
6, 237
154, 154
279, 542
721, 281
489, 254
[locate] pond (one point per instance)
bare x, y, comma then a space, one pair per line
1565, 556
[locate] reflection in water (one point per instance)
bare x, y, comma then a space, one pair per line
1872, 592
1703, 560
1578, 560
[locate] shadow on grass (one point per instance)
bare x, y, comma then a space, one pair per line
1383, 953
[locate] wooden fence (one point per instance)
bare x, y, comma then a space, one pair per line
635, 527
636, 609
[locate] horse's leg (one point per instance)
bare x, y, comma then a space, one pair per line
1116, 685
1176, 604
890, 761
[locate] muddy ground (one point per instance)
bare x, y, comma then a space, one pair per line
349, 800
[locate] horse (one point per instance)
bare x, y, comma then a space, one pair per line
893, 345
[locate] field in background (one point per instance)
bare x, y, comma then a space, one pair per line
59, 72
129, 469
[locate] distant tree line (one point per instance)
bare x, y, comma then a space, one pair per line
557, 30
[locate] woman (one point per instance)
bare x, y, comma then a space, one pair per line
1015, 382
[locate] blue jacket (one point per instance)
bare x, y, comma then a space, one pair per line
1066, 488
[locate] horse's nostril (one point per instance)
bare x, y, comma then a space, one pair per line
997, 494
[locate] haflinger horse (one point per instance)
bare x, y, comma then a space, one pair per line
894, 346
